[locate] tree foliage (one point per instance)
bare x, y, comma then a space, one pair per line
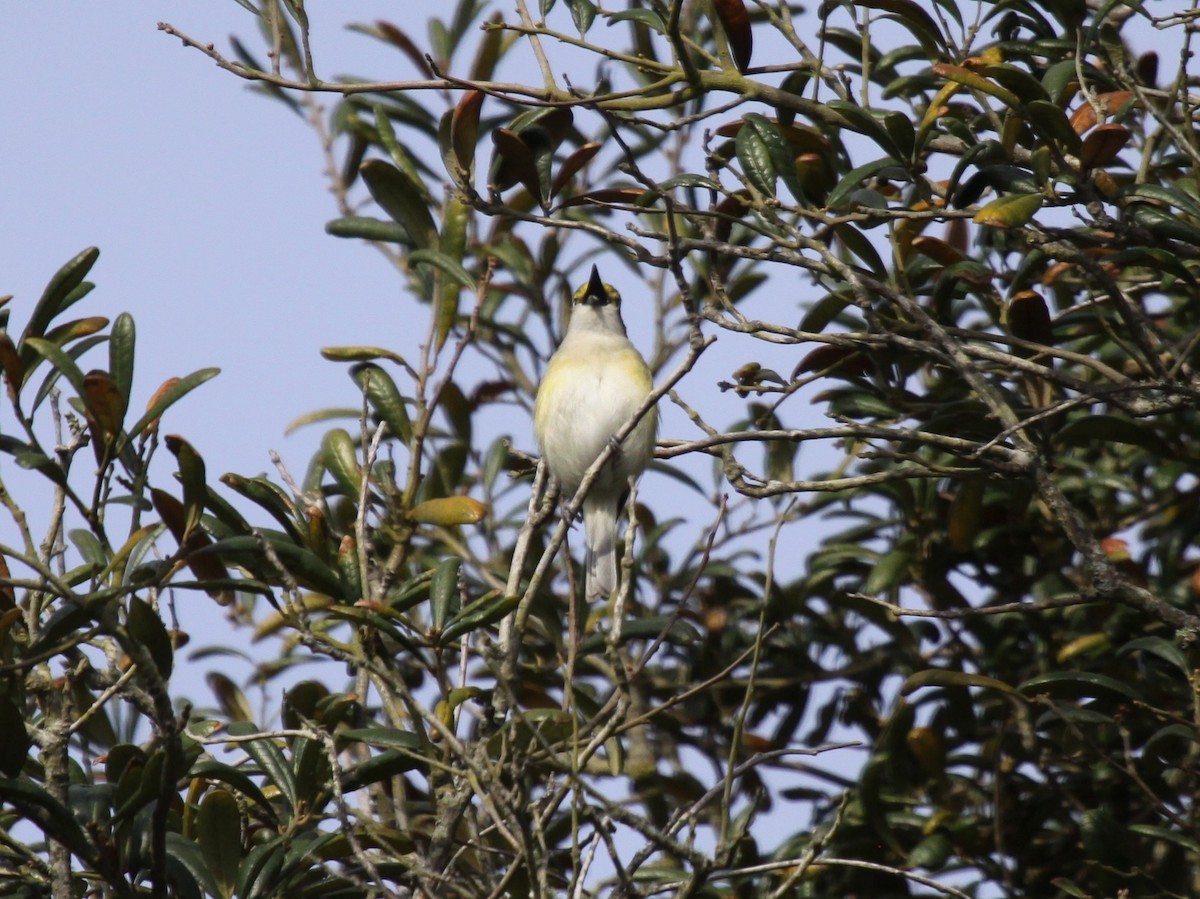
908, 601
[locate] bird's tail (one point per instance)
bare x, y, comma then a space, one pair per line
600, 526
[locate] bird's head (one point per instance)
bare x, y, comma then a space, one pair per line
596, 293
596, 307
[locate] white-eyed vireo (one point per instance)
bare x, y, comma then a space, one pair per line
593, 385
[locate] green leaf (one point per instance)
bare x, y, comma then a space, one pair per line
889, 572
60, 293
121, 344
858, 119
184, 859
482, 612
387, 137
384, 766
583, 13
931, 853
944, 677
192, 476
165, 400
1078, 685
1154, 832
383, 738
780, 153
384, 398
689, 179
359, 354
1163, 224
1017, 80
269, 497
443, 592
302, 564
855, 178
401, 198
824, 311
1051, 121
260, 870
915, 19
647, 17
1088, 430
340, 458
266, 752
444, 263
63, 363
367, 228
49, 815
219, 833
212, 770
1176, 198
456, 217
755, 157
900, 129
859, 244
1070, 888
147, 630
1164, 649
89, 547
514, 162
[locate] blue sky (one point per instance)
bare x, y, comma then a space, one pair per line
207, 202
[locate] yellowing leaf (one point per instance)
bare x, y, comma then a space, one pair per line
449, 511
1009, 211
977, 82
1088, 644
965, 512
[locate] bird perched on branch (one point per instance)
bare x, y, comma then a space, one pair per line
593, 385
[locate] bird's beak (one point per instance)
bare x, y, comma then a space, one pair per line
596, 294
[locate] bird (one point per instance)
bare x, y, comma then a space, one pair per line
593, 384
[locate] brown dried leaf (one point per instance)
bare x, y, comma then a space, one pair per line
105, 405
517, 164
464, 128
206, 567
607, 196
404, 44
1029, 319
834, 360
158, 395
937, 250
1102, 145
736, 22
573, 164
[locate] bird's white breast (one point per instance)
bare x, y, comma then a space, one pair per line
592, 386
